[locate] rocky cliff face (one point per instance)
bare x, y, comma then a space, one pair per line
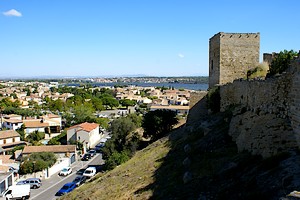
264, 134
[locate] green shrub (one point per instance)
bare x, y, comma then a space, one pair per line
213, 99
116, 159
281, 62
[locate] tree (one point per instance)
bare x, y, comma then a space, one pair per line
281, 61
60, 139
159, 122
121, 128
97, 104
37, 162
110, 102
56, 105
14, 95
127, 102
124, 141
35, 137
83, 113
21, 132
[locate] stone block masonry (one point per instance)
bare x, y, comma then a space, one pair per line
231, 55
266, 120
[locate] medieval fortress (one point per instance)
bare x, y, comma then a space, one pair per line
266, 117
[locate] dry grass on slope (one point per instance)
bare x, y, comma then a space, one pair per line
129, 180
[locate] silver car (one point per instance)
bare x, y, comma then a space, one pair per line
33, 182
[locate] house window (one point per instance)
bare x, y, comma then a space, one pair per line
4, 141
14, 139
212, 64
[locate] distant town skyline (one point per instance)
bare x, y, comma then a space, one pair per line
120, 38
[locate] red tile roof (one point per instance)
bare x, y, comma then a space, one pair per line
34, 123
9, 134
88, 127
49, 148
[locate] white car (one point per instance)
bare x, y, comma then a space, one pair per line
65, 171
90, 172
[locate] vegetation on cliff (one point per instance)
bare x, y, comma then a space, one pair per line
281, 61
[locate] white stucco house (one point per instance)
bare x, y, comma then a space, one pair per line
87, 133
12, 122
49, 124
33, 125
8, 140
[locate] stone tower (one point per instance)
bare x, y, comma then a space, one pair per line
231, 55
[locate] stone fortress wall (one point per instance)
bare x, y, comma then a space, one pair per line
231, 55
266, 118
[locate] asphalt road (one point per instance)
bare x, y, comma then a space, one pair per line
50, 186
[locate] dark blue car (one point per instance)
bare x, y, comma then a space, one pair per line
68, 187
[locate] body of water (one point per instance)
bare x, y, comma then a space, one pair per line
188, 86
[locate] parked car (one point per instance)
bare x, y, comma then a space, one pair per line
86, 156
99, 146
65, 171
80, 171
92, 152
79, 180
34, 182
68, 187
21, 182
90, 172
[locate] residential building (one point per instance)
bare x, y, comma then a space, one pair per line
9, 139
86, 133
32, 125
7, 160
54, 127
49, 124
6, 178
12, 122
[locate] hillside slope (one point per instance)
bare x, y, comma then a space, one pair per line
198, 161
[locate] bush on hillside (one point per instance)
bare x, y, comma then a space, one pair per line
124, 142
116, 159
158, 122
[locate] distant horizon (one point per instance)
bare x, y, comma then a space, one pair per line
85, 77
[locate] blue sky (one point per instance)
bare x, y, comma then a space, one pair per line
128, 37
